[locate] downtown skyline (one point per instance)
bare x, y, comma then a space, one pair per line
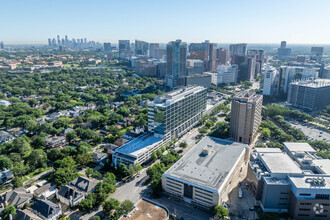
218, 21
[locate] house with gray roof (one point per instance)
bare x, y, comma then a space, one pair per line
77, 190
5, 137
46, 209
17, 197
6, 175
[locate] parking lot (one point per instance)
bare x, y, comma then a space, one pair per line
312, 132
239, 208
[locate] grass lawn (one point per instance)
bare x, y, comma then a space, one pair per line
38, 171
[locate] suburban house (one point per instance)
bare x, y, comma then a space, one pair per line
46, 209
16, 132
17, 197
100, 157
5, 137
25, 214
6, 175
45, 189
66, 131
77, 190
56, 141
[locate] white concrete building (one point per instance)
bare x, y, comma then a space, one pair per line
270, 74
225, 74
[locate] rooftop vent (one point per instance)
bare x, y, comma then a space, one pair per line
316, 181
207, 150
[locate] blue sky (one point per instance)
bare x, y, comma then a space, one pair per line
250, 21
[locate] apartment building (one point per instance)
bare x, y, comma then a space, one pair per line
169, 116
173, 114
245, 116
204, 176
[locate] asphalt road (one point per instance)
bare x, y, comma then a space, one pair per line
312, 132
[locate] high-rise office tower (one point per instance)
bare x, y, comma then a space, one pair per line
58, 40
107, 47
270, 77
259, 55
63, 42
85, 40
206, 52
152, 48
222, 57
212, 57
66, 40
2, 46
288, 74
176, 63
123, 45
141, 48
283, 51
316, 54
247, 69
238, 49
49, 42
53, 42
245, 116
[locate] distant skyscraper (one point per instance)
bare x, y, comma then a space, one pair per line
283, 51
245, 116
123, 45
124, 48
176, 63
238, 49
58, 40
85, 40
212, 57
49, 42
206, 52
66, 40
316, 54
53, 42
152, 48
222, 57
2, 46
247, 69
107, 47
141, 48
259, 55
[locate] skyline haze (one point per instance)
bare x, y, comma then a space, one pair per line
252, 21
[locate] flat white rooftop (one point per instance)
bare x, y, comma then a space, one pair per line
323, 165
175, 96
298, 147
139, 145
279, 162
307, 182
268, 150
208, 163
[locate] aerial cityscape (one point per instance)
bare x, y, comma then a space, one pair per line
131, 111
